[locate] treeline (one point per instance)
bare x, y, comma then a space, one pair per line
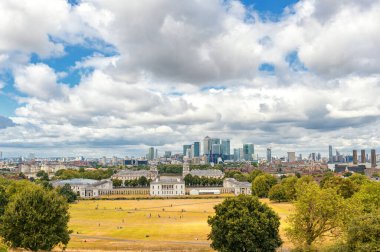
97, 174
141, 182
202, 181
169, 168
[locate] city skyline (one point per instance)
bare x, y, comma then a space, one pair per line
99, 78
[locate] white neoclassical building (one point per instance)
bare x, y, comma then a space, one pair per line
167, 187
85, 188
237, 187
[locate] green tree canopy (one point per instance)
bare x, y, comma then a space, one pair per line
243, 223
363, 233
68, 193
277, 193
35, 219
318, 213
262, 184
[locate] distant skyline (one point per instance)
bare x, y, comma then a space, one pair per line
110, 77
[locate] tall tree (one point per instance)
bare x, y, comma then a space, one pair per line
243, 223
318, 213
262, 184
35, 219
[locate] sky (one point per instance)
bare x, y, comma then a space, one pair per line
111, 77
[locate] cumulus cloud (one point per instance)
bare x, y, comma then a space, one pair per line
193, 69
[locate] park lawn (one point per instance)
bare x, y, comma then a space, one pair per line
169, 224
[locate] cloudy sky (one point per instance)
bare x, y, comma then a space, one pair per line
112, 77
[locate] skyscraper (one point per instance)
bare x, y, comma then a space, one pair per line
196, 149
248, 150
373, 158
236, 154
269, 155
226, 152
330, 154
185, 148
291, 156
150, 155
363, 156
206, 145
216, 149
355, 157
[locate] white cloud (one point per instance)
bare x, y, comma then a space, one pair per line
37, 80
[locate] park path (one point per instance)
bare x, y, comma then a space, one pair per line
128, 240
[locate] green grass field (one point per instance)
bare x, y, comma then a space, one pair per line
135, 225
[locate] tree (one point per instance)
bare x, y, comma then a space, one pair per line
143, 181
289, 185
243, 223
368, 198
66, 192
42, 175
318, 213
363, 233
277, 193
35, 219
254, 174
117, 182
344, 187
262, 184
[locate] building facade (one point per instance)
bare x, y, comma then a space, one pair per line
167, 187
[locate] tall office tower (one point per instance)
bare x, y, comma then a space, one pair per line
196, 149
216, 149
318, 156
269, 155
355, 157
150, 155
236, 154
206, 145
226, 151
168, 154
291, 156
1, 155
300, 157
104, 160
185, 148
363, 156
330, 154
248, 150
373, 158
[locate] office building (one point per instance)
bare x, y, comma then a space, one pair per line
248, 150
363, 157
237, 154
291, 156
196, 149
168, 154
355, 157
185, 148
226, 152
269, 155
206, 145
216, 149
150, 155
373, 158
330, 154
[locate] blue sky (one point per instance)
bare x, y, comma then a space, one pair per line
102, 76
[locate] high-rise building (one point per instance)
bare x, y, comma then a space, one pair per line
236, 154
269, 155
373, 158
185, 148
330, 154
1, 155
206, 145
248, 150
291, 156
355, 157
363, 156
226, 151
196, 149
168, 154
216, 149
150, 155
